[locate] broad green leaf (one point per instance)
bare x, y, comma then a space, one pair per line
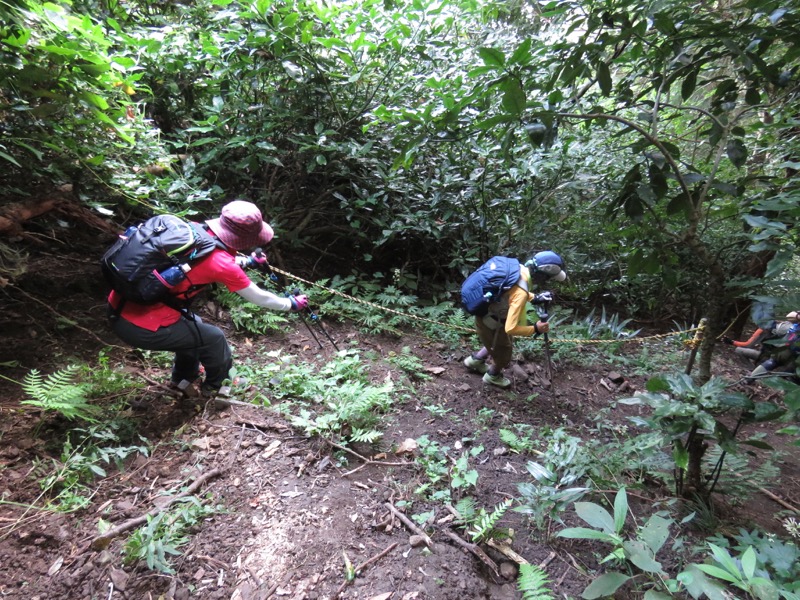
723, 557
35, 151
513, 96
689, 84
715, 571
752, 96
94, 99
596, 516
680, 455
698, 585
748, 560
778, 263
9, 158
766, 411
604, 78
536, 133
584, 533
655, 532
620, 510
653, 595
737, 152
522, 55
657, 384
605, 585
492, 57
679, 203
539, 472
658, 181
641, 556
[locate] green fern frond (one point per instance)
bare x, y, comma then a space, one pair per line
533, 583
509, 438
59, 393
368, 437
484, 526
468, 509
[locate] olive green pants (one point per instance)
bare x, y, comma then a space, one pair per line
499, 344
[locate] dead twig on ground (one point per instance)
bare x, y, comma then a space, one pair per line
363, 566
366, 461
408, 523
163, 386
102, 541
474, 549
509, 553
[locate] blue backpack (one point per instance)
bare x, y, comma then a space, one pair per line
488, 283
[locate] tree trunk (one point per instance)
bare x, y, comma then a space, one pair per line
696, 446
717, 300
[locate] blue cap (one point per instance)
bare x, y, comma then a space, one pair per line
549, 263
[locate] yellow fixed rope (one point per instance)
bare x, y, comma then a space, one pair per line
470, 330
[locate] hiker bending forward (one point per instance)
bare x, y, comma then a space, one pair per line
508, 317
240, 227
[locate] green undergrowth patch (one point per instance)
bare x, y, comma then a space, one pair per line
333, 398
607, 339
659, 547
380, 308
249, 318
160, 540
82, 408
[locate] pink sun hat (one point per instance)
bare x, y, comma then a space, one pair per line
240, 226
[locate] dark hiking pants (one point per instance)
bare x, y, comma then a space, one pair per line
193, 342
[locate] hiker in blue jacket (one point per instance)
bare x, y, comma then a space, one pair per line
508, 317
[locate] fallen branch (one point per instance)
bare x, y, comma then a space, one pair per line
14, 215
102, 541
163, 386
509, 553
366, 461
363, 566
408, 523
475, 549
770, 495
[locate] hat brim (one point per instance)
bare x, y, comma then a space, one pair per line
241, 242
562, 275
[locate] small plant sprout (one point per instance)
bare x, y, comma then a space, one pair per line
349, 569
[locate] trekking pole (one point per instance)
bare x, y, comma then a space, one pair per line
264, 267
315, 318
541, 310
306, 323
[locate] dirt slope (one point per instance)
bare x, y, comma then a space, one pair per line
292, 509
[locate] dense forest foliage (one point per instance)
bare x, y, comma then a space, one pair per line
394, 146
654, 145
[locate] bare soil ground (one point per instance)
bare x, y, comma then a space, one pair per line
293, 507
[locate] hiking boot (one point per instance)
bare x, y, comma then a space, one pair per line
208, 391
475, 365
498, 380
219, 396
185, 388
